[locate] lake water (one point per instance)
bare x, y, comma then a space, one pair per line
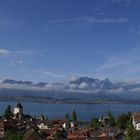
84, 112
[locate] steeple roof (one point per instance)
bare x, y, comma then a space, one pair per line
19, 105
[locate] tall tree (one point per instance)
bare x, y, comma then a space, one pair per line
123, 121
130, 133
74, 116
95, 122
111, 119
67, 116
8, 112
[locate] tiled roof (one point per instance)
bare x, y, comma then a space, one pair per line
31, 135
136, 116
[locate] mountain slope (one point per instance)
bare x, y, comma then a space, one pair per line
83, 87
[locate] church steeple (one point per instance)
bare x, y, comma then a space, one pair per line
19, 105
18, 111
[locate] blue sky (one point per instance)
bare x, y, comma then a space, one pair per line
53, 40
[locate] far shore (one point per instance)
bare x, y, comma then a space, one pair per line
47, 100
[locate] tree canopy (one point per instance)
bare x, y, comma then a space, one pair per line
95, 122
8, 112
74, 116
123, 121
111, 119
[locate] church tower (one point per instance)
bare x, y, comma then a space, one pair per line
18, 111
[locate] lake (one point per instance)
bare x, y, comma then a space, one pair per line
84, 112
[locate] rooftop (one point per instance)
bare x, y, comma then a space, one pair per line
19, 105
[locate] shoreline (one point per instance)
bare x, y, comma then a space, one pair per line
48, 100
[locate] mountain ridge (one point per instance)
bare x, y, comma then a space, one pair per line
83, 86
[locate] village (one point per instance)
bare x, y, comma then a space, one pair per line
15, 125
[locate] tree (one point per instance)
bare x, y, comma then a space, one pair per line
43, 118
60, 134
8, 112
12, 136
111, 119
123, 121
130, 133
95, 122
74, 116
67, 116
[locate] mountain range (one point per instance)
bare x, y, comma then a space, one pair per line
83, 87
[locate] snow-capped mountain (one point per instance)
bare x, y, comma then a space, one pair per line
83, 86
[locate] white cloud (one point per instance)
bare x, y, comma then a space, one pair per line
73, 86
72, 78
54, 87
117, 91
137, 90
4, 52
113, 62
5, 23
15, 62
91, 20
127, 81
108, 20
121, 60
19, 86
79, 91
43, 72
11, 23
127, 2
83, 85
50, 87
100, 14
122, 63
51, 74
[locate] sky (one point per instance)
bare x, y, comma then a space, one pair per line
56, 40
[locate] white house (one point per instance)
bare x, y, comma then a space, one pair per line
42, 126
136, 120
68, 125
72, 124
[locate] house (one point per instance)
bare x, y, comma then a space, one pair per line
1, 129
42, 126
72, 124
21, 127
7, 125
66, 125
136, 120
76, 134
32, 134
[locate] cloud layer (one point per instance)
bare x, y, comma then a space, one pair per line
3, 52
82, 85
